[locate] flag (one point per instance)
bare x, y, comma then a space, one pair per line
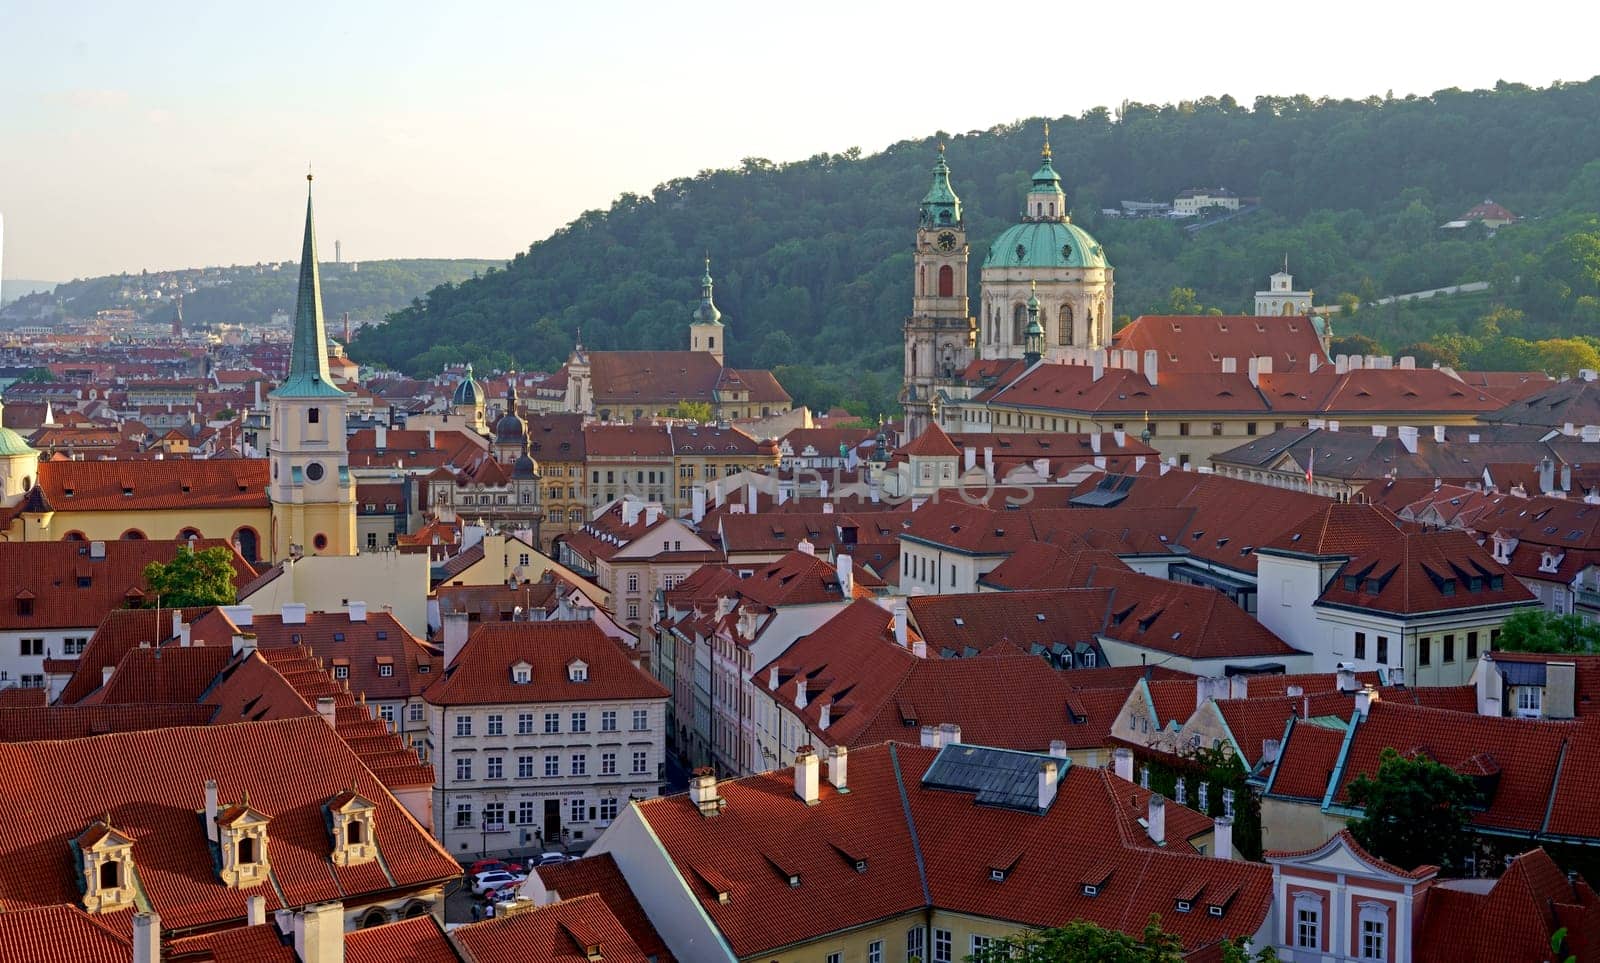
1310, 462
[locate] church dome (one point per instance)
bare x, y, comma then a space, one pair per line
1044, 244
13, 445
469, 393
511, 429
525, 467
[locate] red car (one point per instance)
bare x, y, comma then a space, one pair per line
486, 865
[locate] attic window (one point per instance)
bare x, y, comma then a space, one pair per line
338, 636
1090, 889
577, 671
1038, 616
1183, 906
1351, 583
1215, 911
960, 621
521, 673
861, 866
998, 875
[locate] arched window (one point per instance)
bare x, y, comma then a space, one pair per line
133, 535
1288, 307
189, 535
374, 917
247, 851
109, 871
1052, 208
416, 909
352, 832
947, 281
1019, 321
1066, 319
74, 536
248, 544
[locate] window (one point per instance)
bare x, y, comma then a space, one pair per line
577, 811
1449, 648
73, 644
525, 812
31, 646
641, 720
463, 768
1307, 922
1249, 427
875, 951
942, 947
580, 764
1472, 646
1361, 645
494, 768
983, 948
524, 767
1183, 429
521, 674
1424, 651
633, 610
1374, 932
386, 713
608, 720
314, 416
494, 817
497, 725
524, 723
608, 764
552, 722
836, 957
463, 815
372, 541
414, 712
608, 808
31, 680
386, 670
552, 765
580, 722
341, 672
463, 725
1530, 702
1216, 427
633, 581
522, 559
915, 940
641, 762
1383, 650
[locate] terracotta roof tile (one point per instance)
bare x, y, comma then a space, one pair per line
132, 486
77, 722
72, 589
1514, 920
600, 875
59, 932
417, 940
551, 934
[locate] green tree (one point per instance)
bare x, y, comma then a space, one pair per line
1535, 630
1567, 356
192, 578
1083, 942
692, 410
1355, 344
1415, 811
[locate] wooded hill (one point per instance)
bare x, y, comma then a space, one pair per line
812, 258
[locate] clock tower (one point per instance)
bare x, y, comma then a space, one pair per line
940, 335
312, 494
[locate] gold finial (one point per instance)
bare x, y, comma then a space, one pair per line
1033, 286
1046, 152
308, 172
941, 148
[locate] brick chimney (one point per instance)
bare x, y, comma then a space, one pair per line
806, 772
1157, 819
1047, 783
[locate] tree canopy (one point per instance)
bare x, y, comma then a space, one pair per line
813, 259
1415, 811
1535, 630
1084, 942
192, 578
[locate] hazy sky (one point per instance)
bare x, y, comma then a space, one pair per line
161, 135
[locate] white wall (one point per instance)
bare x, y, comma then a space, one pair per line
325, 583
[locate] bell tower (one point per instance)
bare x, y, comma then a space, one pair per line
312, 494
940, 335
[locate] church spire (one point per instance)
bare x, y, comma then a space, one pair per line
308, 359
707, 312
1046, 200
941, 205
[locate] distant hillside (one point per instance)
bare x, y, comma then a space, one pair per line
812, 258
13, 288
249, 294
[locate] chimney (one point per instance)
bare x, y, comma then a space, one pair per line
1122, 761
751, 499
1333, 424
703, 791
844, 568
1094, 442
381, 433
455, 635
805, 775
255, 910
806, 547
949, 734
1270, 749
1230, 365
1346, 677
1380, 431
1099, 363
1547, 475
1408, 438
319, 933
988, 462
1314, 362
800, 692
240, 615
630, 512
697, 503
1157, 820
1408, 362
1047, 784
1041, 466
652, 514
1254, 371
1119, 436
900, 628
1341, 364
327, 708
1222, 838
872, 490
919, 648
1150, 366
1566, 486
1438, 434
1560, 686
930, 737
824, 716
1058, 748
1363, 703
146, 938
106, 672
294, 613
772, 678
969, 458
211, 810
97, 550
358, 611
837, 769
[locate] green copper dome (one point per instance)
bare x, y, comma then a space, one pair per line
941, 205
12, 445
1046, 244
707, 312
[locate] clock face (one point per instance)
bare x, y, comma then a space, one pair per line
947, 241
314, 471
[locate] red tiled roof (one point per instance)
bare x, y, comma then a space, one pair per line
171, 673
1514, 920
619, 441
72, 589
1040, 565
1348, 840
1418, 572
241, 944
1198, 344
1307, 760
417, 940
481, 674
59, 932
1193, 621
550, 934
120, 631
16, 697
1069, 616
77, 722
600, 875
331, 635
151, 784
102, 486
932, 443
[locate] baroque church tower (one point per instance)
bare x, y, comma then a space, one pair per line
312, 494
940, 336
706, 330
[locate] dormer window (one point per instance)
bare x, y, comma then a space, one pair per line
1089, 889
522, 673
1183, 906
998, 875
106, 860
351, 817
577, 671
242, 833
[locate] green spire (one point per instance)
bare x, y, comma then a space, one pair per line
1033, 335
941, 205
1046, 200
707, 312
308, 360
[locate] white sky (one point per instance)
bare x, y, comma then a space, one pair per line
176, 135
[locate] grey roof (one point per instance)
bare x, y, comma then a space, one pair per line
995, 777
1575, 402
1355, 454
1110, 490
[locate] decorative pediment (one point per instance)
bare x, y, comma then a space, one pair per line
105, 865
242, 841
1342, 854
352, 824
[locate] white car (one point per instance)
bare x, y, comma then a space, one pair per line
551, 859
495, 879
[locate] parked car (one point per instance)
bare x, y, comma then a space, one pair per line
504, 893
495, 879
551, 859
488, 865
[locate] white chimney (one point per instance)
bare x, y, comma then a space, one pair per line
837, 769
772, 678
697, 503
1041, 467
319, 933
1438, 434
1122, 761
806, 547
825, 716
900, 628
255, 910
1119, 436
1094, 442
1230, 365
1157, 820
969, 458
1345, 676
1408, 438
630, 512
106, 671
294, 613
1270, 749
1254, 371
800, 692
146, 938
1058, 748
240, 615
1380, 431
1222, 838
381, 435
1314, 362
1341, 364
845, 570
1364, 701
1408, 363
327, 708
949, 734
455, 635
1047, 784
1150, 365
930, 737
751, 499
703, 791
919, 648
358, 611
652, 514
1099, 364
806, 772
211, 810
